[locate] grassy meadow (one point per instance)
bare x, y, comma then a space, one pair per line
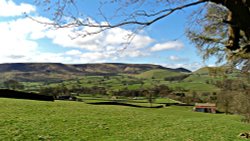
133, 82
77, 121
27, 120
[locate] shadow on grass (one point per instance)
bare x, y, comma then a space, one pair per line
177, 104
6, 93
123, 104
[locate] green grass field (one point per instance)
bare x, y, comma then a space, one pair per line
26, 120
134, 82
194, 86
158, 74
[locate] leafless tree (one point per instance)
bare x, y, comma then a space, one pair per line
66, 14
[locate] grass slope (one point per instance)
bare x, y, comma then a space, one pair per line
195, 86
229, 70
158, 74
203, 70
60, 120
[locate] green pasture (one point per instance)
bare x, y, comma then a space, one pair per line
116, 83
139, 102
194, 86
158, 74
26, 120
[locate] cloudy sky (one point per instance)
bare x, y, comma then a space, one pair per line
25, 40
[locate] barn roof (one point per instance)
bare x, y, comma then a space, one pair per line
205, 105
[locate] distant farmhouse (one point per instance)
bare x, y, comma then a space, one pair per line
205, 107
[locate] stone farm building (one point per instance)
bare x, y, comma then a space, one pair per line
205, 107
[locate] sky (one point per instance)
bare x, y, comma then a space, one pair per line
25, 40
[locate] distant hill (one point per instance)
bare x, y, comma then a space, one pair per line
206, 74
122, 68
203, 70
59, 72
226, 69
182, 70
38, 67
158, 74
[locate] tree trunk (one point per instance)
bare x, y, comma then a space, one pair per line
238, 20
233, 32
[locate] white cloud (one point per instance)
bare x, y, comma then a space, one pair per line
8, 8
20, 41
51, 57
115, 39
65, 38
94, 57
177, 45
119, 36
73, 52
133, 53
178, 59
107, 45
142, 41
37, 57
174, 58
26, 28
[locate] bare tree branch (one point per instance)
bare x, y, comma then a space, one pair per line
167, 12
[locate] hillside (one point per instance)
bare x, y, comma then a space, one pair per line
205, 74
224, 69
110, 76
158, 74
37, 67
57, 72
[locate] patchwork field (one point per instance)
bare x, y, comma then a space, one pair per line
65, 120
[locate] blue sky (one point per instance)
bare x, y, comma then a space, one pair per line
163, 43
